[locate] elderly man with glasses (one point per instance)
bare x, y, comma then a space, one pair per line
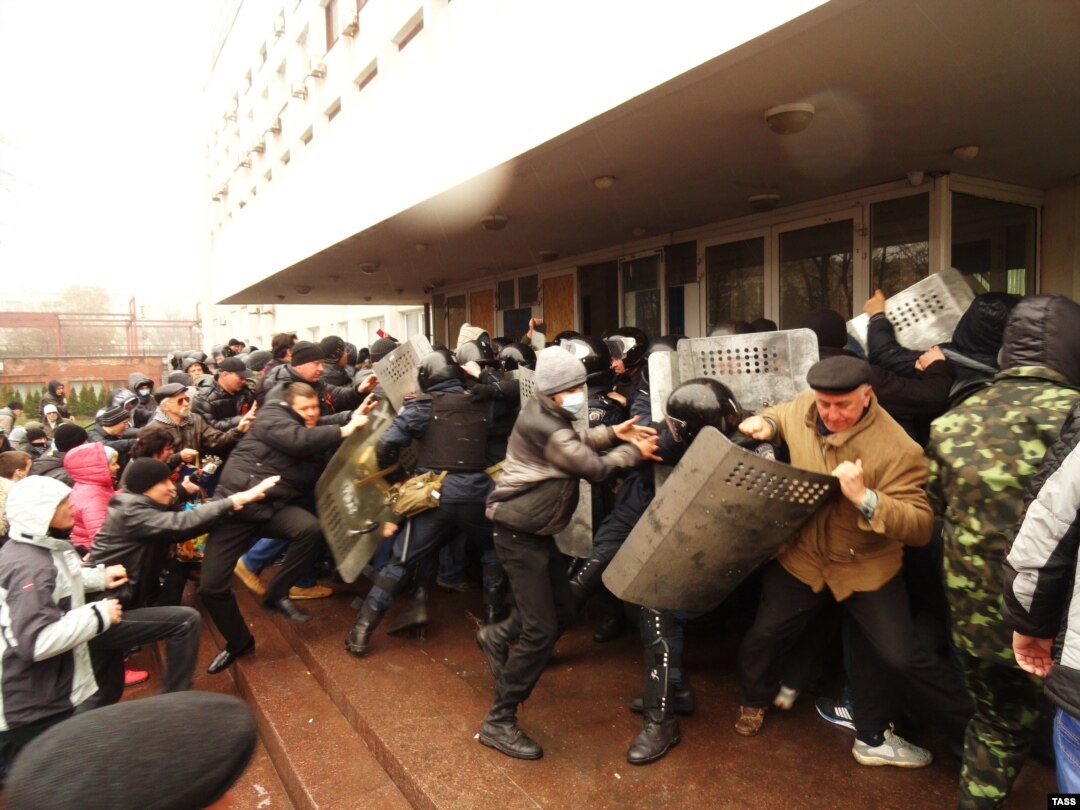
192, 435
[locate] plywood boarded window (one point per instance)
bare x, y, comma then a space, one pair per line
558, 304
482, 310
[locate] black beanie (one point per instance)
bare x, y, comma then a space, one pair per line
118, 746
306, 352
68, 435
143, 473
36, 434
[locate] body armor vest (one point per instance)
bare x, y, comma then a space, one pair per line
456, 437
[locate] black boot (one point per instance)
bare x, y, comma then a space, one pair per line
494, 641
586, 581
500, 731
414, 616
660, 730
495, 585
611, 627
359, 640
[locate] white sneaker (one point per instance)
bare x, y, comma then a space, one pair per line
785, 698
894, 751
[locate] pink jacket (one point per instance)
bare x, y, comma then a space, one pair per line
89, 499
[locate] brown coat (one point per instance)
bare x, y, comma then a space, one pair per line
838, 547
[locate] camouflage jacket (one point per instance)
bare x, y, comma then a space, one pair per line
982, 455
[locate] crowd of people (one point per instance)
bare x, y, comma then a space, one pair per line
902, 604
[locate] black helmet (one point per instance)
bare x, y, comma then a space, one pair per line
702, 402
628, 343
437, 367
596, 357
517, 355
565, 335
475, 351
664, 343
125, 398
500, 343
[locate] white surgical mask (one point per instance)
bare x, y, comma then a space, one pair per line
573, 402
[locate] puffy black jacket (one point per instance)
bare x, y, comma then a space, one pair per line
222, 409
332, 398
278, 443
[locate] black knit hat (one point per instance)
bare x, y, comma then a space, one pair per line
143, 473
382, 347
35, 434
306, 352
68, 435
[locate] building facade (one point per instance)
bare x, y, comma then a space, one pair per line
673, 166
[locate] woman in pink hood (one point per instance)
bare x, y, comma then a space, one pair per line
93, 468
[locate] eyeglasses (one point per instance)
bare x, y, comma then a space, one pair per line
182, 400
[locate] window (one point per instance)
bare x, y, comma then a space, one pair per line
305, 139
599, 308
528, 290
683, 290
409, 31
993, 244
899, 243
735, 281
366, 75
333, 30
641, 293
816, 271
314, 334
372, 326
414, 323
285, 158
333, 110
262, 55
504, 294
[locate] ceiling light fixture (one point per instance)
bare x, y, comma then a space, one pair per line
493, 222
303, 289
763, 202
640, 230
967, 152
368, 268
788, 119
604, 182
548, 255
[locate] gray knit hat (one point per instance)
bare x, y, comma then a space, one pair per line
558, 370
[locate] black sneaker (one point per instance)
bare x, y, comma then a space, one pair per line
839, 714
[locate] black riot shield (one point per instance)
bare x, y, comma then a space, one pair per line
721, 514
924, 314
350, 496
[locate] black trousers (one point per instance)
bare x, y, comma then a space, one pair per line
544, 608
177, 626
230, 539
882, 637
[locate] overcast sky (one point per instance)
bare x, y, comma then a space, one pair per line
101, 147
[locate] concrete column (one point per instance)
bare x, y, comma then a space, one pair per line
1060, 243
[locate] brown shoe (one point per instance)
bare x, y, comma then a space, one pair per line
750, 721
314, 592
249, 578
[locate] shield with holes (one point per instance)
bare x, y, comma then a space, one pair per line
397, 371
761, 369
350, 496
925, 314
722, 513
524, 376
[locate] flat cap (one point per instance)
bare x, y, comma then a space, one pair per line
168, 390
838, 374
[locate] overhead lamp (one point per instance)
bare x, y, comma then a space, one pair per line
604, 182
493, 222
967, 152
916, 178
368, 268
421, 247
303, 289
788, 119
763, 202
640, 230
548, 255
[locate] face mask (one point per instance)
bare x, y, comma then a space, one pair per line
573, 403
144, 392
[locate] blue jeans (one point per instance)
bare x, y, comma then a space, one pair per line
1067, 751
268, 549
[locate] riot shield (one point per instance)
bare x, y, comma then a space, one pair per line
925, 314
722, 513
397, 371
761, 369
576, 539
663, 379
525, 377
350, 496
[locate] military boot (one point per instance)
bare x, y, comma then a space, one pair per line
660, 729
414, 616
500, 731
585, 582
359, 640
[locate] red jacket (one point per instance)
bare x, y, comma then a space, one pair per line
89, 500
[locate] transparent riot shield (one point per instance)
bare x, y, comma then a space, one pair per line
722, 513
576, 539
350, 496
663, 379
925, 314
761, 369
397, 371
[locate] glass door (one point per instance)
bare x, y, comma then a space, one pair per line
816, 266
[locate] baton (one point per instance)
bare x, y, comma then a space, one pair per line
405, 543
